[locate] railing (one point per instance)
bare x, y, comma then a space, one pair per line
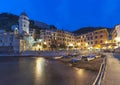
100, 75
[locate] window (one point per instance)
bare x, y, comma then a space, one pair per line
96, 32
96, 42
84, 40
10, 44
91, 42
11, 39
91, 38
88, 38
95, 37
101, 36
101, 41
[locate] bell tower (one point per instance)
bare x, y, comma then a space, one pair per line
23, 23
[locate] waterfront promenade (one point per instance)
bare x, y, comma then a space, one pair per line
112, 73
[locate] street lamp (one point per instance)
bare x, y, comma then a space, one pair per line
45, 43
70, 45
86, 44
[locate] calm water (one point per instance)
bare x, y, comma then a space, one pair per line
39, 71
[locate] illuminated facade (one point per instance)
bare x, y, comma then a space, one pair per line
66, 38
20, 39
24, 39
93, 39
48, 37
57, 38
116, 35
23, 23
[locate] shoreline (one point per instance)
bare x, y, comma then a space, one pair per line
93, 65
88, 65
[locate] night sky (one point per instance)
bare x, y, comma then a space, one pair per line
67, 14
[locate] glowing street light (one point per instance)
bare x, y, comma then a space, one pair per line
78, 43
106, 41
45, 43
86, 44
70, 44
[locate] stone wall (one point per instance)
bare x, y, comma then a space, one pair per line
6, 49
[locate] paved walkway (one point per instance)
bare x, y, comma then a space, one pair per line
112, 74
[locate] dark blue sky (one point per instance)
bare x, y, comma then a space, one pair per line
67, 14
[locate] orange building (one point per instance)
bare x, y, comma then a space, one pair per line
94, 39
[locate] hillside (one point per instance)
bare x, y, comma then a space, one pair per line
7, 20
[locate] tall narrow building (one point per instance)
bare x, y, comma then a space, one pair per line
23, 23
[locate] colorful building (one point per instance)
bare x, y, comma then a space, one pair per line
93, 40
116, 36
57, 38
23, 38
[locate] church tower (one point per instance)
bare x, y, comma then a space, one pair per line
23, 24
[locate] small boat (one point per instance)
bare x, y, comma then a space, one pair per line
76, 59
59, 57
90, 57
97, 56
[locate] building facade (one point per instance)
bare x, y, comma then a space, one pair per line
23, 38
92, 40
116, 36
23, 23
20, 39
6, 41
57, 38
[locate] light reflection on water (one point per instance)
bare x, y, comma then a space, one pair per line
80, 72
39, 69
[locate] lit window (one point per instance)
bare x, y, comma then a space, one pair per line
101, 41
101, 36
95, 37
96, 42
